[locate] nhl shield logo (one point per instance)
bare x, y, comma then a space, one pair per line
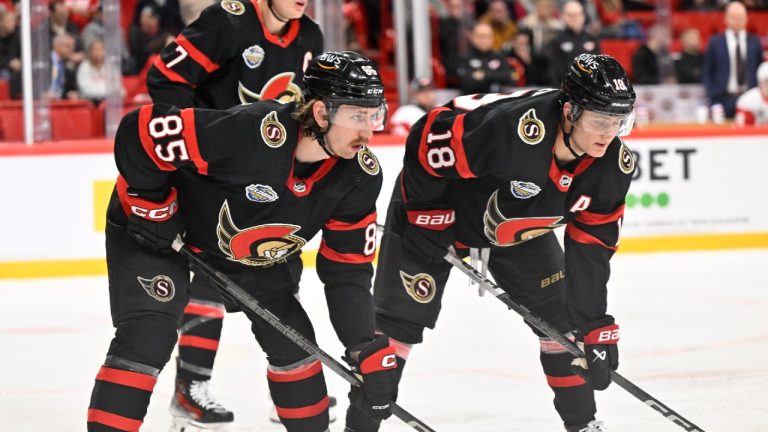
565, 181
524, 190
260, 193
272, 131
160, 288
530, 129
420, 287
299, 186
368, 161
253, 56
233, 6
626, 160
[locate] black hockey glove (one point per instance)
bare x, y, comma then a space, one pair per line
432, 245
152, 224
376, 363
601, 353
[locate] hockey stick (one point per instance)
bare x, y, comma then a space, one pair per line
310, 347
554, 334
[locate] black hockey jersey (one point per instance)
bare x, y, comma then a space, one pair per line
226, 57
484, 166
246, 206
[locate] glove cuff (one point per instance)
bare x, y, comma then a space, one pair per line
377, 356
436, 220
146, 209
605, 335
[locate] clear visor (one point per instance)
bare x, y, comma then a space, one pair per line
359, 117
599, 123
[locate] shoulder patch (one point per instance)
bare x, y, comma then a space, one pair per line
626, 159
368, 161
530, 129
233, 6
272, 131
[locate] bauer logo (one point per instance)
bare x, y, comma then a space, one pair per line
524, 190
420, 287
160, 288
272, 131
260, 193
530, 129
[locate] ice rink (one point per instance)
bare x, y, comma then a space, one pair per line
694, 335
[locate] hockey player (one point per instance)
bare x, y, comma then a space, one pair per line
236, 52
752, 106
502, 172
279, 174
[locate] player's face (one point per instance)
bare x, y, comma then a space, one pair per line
593, 132
352, 129
290, 9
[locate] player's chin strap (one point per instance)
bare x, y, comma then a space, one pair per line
320, 137
277, 17
567, 139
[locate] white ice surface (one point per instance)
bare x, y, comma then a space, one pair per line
694, 335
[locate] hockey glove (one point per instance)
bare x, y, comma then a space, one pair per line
152, 224
376, 363
431, 245
601, 352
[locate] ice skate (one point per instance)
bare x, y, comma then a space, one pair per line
593, 426
194, 408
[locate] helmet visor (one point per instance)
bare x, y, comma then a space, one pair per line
359, 117
600, 123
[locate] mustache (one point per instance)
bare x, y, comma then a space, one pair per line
360, 141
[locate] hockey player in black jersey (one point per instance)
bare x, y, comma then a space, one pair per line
502, 172
236, 52
280, 172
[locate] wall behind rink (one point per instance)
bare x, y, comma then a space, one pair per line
698, 189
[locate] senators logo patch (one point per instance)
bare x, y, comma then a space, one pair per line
262, 245
421, 287
253, 56
160, 288
524, 190
272, 131
280, 88
626, 159
233, 6
368, 161
530, 129
509, 232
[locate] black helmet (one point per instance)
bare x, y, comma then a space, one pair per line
598, 83
343, 78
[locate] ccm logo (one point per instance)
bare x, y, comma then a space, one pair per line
156, 214
388, 361
608, 335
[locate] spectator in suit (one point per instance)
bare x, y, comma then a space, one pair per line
482, 69
572, 41
528, 68
60, 23
689, 65
147, 37
63, 80
422, 92
645, 60
731, 60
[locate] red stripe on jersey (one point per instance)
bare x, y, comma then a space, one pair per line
145, 116
437, 220
566, 381
349, 258
582, 237
113, 420
457, 132
300, 373
199, 342
281, 41
558, 176
204, 310
190, 140
583, 165
423, 143
196, 54
127, 378
335, 225
590, 218
171, 75
303, 412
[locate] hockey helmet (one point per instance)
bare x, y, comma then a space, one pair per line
346, 78
599, 83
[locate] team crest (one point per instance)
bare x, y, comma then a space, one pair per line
260, 193
524, 190
272, 131
160, 288
421, 287
530, 129
280, 88
626, 159
261, 245
509, 232
233, 6
253, 56
368, 161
